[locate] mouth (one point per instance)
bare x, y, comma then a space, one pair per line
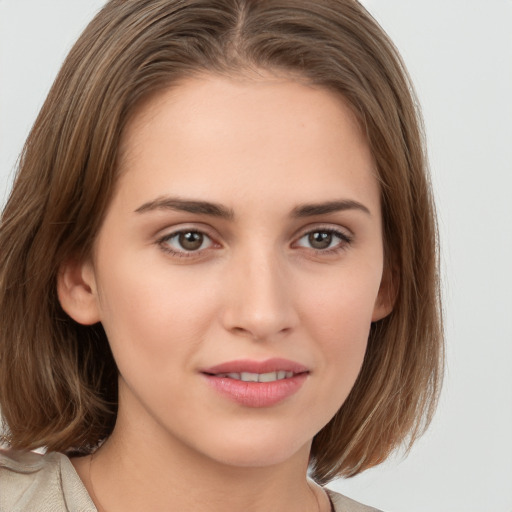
257, 377
249, 370
257, 384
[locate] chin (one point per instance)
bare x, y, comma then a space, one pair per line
257, 451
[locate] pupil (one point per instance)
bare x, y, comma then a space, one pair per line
191, 241
320, 240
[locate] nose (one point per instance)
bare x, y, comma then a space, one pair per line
259, 297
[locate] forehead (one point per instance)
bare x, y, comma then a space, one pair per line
218, 135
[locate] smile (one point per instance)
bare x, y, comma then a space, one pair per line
257, 384
258, 377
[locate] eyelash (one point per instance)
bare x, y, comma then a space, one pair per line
163, 242
344, 241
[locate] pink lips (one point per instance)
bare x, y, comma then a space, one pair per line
257, 394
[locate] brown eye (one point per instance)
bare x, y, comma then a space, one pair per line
191, 240
320, 239
326, 240
185, 242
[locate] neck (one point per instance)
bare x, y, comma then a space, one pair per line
157, 476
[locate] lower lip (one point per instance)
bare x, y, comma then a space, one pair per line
257, 394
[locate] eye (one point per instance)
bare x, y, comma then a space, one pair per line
186, 241
324, 240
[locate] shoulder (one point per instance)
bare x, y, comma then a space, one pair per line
343, 504
30, 481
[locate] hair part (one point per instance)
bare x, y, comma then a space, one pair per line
58, 379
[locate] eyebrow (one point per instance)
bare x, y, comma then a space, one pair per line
218, 210
310, 210
185, 205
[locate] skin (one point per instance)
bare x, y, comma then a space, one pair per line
257, 288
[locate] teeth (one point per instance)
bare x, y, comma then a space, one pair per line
268, 377
249, 377
259, 377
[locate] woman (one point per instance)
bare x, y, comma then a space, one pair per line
219, 263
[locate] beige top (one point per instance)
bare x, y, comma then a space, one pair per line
30, 482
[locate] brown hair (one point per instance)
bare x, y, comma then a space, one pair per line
58, 379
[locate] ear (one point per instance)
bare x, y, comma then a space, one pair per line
387, 294
76, 288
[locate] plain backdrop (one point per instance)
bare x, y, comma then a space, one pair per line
459, 53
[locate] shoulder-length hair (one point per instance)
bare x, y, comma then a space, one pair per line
58, 379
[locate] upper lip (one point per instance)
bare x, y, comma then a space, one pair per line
253, 366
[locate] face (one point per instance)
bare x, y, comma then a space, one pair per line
239, 267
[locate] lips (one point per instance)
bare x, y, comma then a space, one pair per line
258, 377
257, 383
250, 366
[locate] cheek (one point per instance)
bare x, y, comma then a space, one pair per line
152, 314
342, 306
338, 316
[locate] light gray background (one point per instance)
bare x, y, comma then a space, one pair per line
459, 53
